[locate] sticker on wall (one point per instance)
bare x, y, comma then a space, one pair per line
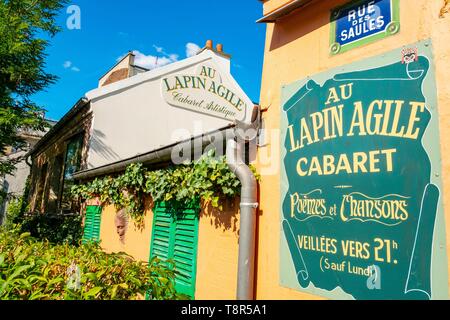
362, 213
363, 22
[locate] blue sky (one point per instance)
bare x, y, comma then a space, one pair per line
111, 28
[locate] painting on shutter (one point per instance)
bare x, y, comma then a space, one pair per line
175, 236
92, 224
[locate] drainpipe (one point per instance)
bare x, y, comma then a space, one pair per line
249, 204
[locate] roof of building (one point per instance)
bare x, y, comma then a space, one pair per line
60, 124
203, 55
37, 133
94, 95
284, 10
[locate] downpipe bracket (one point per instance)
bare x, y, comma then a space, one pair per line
254, 205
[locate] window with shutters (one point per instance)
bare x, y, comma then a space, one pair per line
175, 237
92, 224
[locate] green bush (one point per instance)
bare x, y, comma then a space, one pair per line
57, 229
33, 270
14, 212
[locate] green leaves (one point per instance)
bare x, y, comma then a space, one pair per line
23, 26
56, 229
208, 178
92, 293
34, 270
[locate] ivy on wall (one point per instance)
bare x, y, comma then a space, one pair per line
208, 178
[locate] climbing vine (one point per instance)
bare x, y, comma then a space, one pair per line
208, 178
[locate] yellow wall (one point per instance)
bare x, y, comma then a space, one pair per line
298, 46
272, 5
137, 241
217, 247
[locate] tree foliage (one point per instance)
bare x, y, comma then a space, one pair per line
23, 26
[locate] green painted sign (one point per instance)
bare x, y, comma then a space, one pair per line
362, 215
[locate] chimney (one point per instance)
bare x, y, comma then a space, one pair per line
218, 49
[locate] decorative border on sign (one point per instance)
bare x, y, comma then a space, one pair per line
391, 29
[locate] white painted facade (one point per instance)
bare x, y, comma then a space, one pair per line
131, 117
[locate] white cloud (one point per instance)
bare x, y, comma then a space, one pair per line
192, 49
161, 58
151, 61
69, 65
173, 57
158, 49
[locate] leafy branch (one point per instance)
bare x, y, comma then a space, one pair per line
208, 178
39, 270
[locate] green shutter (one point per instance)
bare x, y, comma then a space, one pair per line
175, 236
185, 251
162, 234
92, 224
